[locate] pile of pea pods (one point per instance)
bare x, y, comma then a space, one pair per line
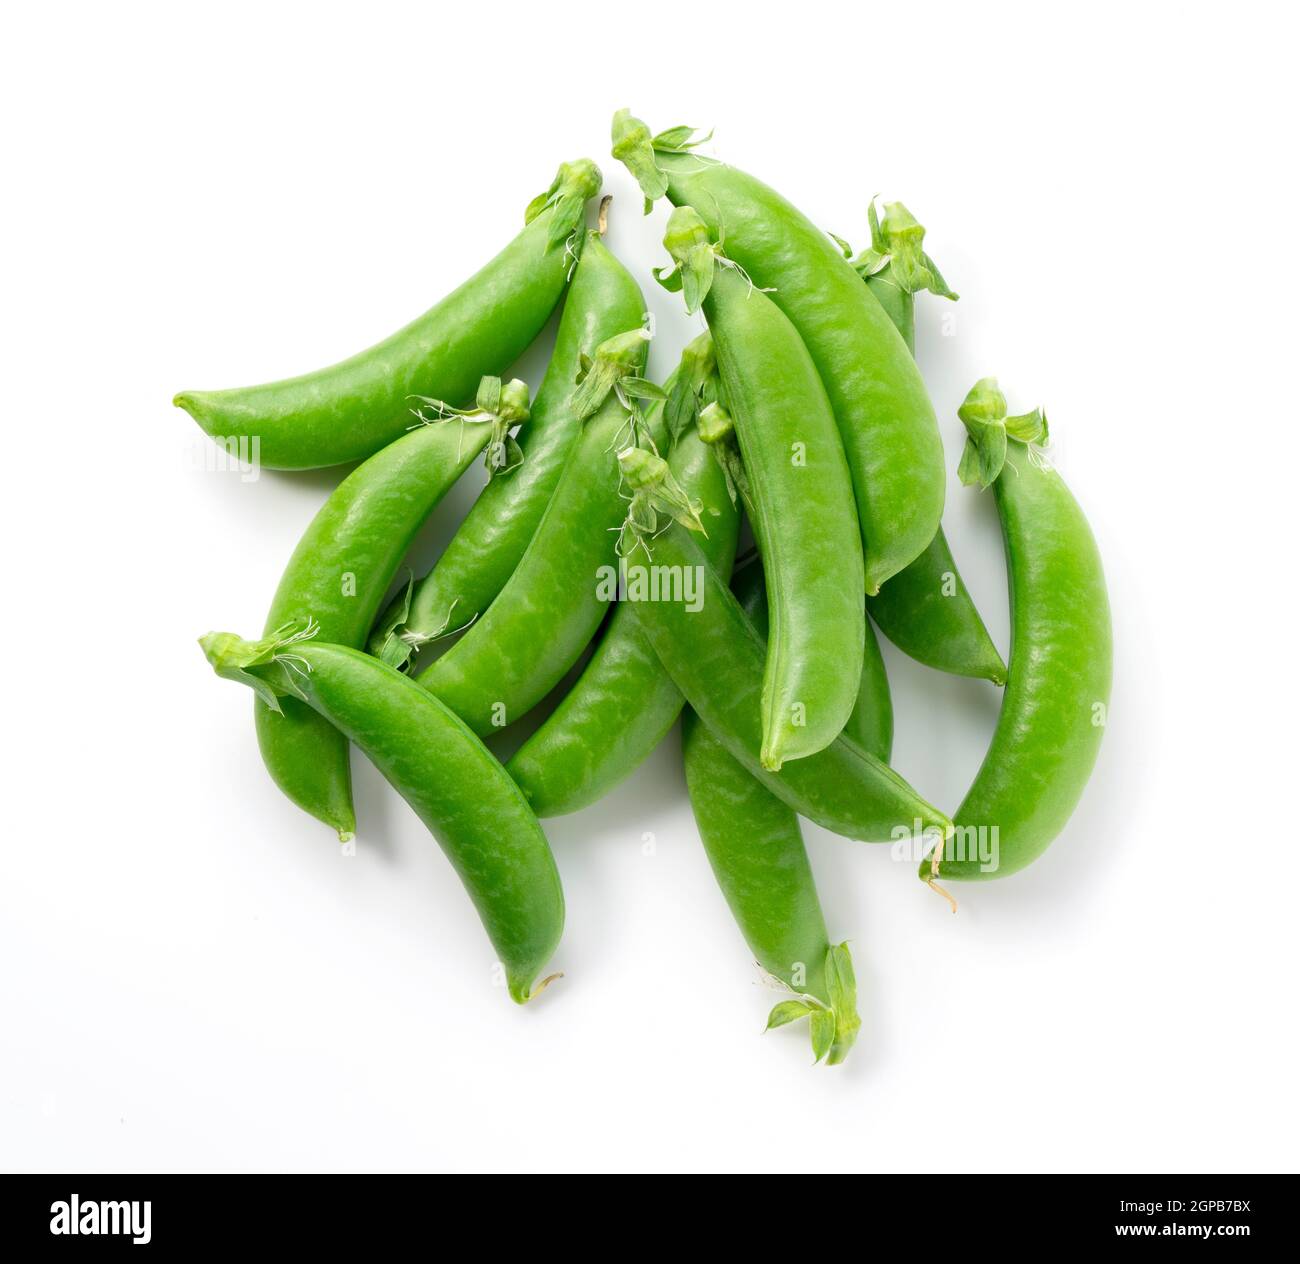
610, 522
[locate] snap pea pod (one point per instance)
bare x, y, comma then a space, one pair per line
624, 703
800, 497
886, 421
715, 657
756, 850
925, 609
1058, 686
439, 767
342, 568
552, 605
602, 301
351, 409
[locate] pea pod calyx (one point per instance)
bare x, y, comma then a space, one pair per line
984, 414
616, 366
655, 491
896, 247
635, 147
833, 1027
574, 184
501, 406
267, 666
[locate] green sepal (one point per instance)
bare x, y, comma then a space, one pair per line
821, 1026
502, 455
642, 388
984, 455
842, 991
395, 651
680, 139
488, 397
617, 359
693, 385
784, 1012
635, 147
574, 184
1029, 428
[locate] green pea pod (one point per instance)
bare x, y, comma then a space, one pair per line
715, 657
886, 421
624, 703
800, 498
925, 609
352, 409
603, 299
755, 846
1058, 686
342, 568
439, 767
550, 609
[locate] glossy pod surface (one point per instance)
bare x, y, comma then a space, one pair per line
550, 609
457, 789
602, 301
337, 576
624, 703
753, 840
928, 613
1058, 688
804, 519
351, 409
715, 657
926, 609
886, 421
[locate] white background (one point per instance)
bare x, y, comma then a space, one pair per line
193, 978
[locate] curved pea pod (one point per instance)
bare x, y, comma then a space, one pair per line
603, 300
352, 409
1058, 685
342, 567
552, 606
624, 703
885, 418
715, 657
756, 850
798, 494
439, 767
925, 609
